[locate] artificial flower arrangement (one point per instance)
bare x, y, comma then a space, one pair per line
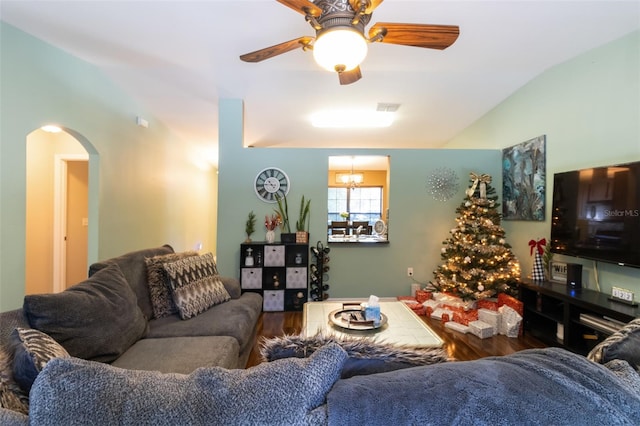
271, 222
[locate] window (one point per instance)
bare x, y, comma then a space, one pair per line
362, 204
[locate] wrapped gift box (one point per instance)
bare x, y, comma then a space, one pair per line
457, 327
511, 322
438, 312
465, 317
491, 304
433, 304
481, 329
512, 302
422, 295
490, 317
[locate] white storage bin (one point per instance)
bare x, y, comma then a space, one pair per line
273, 300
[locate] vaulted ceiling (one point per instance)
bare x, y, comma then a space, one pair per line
177, 58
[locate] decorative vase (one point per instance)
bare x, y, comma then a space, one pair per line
302, 237
271, 236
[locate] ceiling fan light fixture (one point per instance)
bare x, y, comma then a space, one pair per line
340, 49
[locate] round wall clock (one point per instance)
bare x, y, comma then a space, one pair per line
270, 184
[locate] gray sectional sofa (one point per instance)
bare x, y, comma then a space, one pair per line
315, 380
110, 318
223, 335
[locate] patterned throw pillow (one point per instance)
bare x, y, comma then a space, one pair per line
33, 349
624, 344
158, 282
12, 397
195, 285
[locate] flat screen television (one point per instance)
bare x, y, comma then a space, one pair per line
596, 214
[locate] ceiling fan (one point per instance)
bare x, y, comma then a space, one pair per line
340, 43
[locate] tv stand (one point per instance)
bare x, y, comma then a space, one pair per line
574, 319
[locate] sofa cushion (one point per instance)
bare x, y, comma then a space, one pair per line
32, 349
97, 319
135, 272
235, 318
366, 355
195, 284
548, 386
232, 285
74, 391
158, 282
12, 397
181, 354
624, 345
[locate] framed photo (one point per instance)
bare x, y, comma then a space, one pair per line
558, 272
524, 180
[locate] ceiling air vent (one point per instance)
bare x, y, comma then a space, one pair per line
387, 107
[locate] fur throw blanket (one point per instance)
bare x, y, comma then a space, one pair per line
366, 355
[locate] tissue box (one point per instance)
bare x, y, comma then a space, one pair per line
372, 313
481, 329
457, 327
490, 317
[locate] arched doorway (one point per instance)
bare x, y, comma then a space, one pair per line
59, 238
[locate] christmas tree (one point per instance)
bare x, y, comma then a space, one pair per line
478, 262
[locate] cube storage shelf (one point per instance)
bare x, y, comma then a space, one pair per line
279, 272
576, 319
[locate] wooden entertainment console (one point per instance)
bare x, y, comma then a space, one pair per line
574, 319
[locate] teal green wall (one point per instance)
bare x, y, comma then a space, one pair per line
417, 224
589, 108
150, 192
147, 189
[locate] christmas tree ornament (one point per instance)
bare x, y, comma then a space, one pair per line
537, 274
482, 180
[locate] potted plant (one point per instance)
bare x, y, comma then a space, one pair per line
286, 236
302, 224
250, 226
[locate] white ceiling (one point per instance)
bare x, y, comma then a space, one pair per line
177, 58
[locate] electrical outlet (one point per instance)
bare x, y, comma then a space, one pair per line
409, 271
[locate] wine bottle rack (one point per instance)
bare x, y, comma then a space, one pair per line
318, 273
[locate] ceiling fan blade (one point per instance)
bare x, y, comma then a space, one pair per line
418, 35
278, 49
355, 5
348, 77
302, 6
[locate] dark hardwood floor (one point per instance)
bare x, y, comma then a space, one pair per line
463, 347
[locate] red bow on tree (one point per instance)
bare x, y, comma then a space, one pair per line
540, 244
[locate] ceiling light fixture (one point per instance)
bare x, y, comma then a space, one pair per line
351, 180
51, 128
340, 49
